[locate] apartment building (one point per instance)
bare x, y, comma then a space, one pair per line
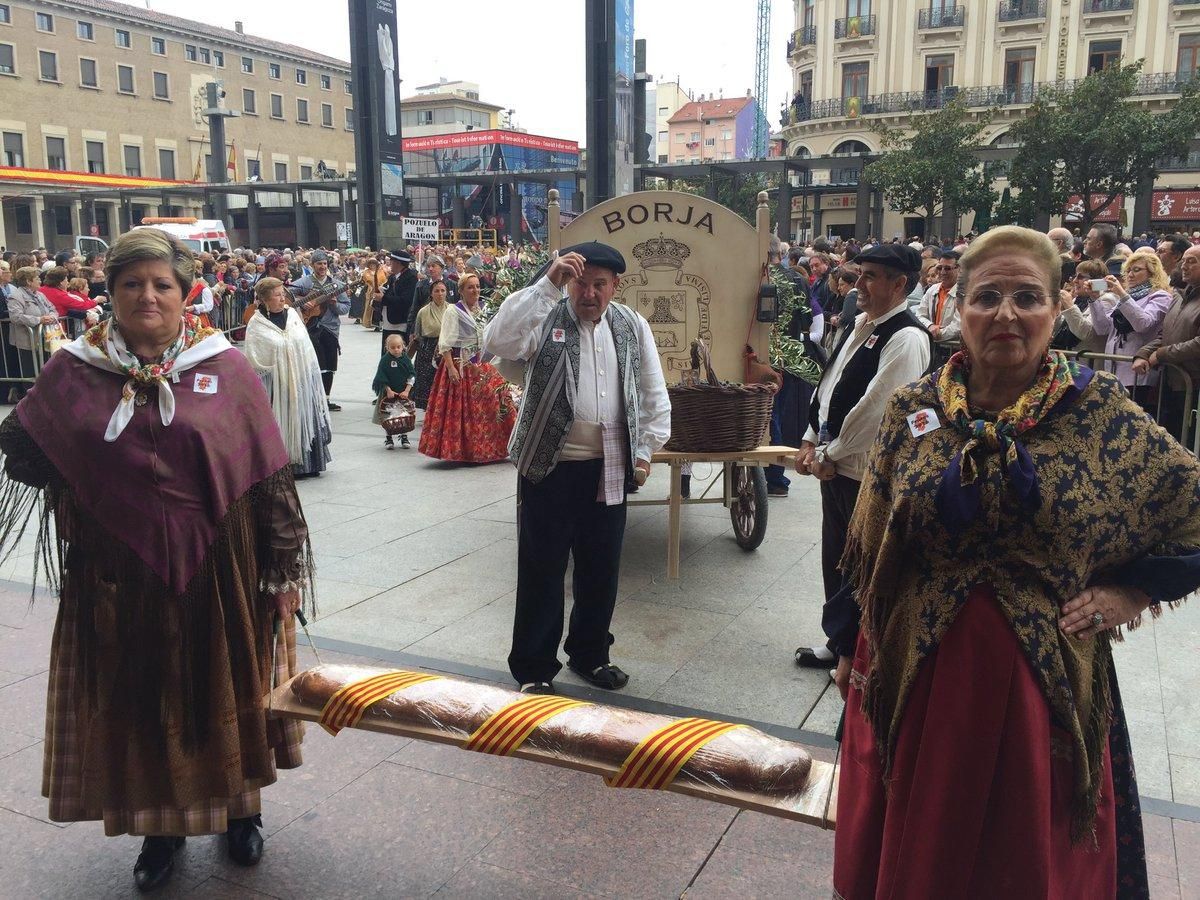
711, 129
857, 63
100, 88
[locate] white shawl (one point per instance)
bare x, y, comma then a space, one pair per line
285, 360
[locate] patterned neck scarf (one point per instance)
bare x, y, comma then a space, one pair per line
104, 347
958, 495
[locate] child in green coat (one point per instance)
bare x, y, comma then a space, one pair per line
394, 378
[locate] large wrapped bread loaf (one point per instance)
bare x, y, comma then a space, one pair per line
742, 760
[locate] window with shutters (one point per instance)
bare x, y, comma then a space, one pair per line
166, 164
48, 65
56, 154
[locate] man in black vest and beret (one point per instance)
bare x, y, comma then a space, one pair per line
593, 412
397, 296
886, 349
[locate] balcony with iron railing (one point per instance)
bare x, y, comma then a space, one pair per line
1091, 7
805, 36
1189, 163
854, 27
941, 17
1021, 10
844, 175
803, 109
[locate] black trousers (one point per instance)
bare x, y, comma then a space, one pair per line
838, 497
327, 347
558, 518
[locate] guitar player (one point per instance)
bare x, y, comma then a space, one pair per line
325, 328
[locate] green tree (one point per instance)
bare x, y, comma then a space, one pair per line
1088, 140
934, 164
736, 192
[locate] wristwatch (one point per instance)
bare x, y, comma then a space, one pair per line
821, 455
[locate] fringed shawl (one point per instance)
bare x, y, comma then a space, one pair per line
284, 358
1115, 488
187, 523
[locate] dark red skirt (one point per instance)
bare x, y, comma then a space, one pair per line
469, 420
979, 799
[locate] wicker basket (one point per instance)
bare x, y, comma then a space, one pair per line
711, 417
397, 416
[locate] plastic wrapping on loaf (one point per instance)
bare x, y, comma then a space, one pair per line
742, 760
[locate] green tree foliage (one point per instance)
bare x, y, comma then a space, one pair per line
1087, 139
933, 164
736, 192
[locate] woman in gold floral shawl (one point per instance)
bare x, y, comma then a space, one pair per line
1018, 510
171, 527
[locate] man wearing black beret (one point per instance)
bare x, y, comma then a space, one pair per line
593, 412
397, 296
886, 349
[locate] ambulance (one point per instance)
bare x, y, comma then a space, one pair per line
198, 235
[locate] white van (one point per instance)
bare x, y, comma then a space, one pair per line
198, 235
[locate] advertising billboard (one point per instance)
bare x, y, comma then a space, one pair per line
382, 37
1175, 206
624, 68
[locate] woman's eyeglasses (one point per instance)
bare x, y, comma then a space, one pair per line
1027, 299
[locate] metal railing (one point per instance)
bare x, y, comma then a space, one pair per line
19, 368
992, 95
1189, 163
1104, 6
805, 36
854, 27
1147, 391
941, 17
1017, 10
844, 176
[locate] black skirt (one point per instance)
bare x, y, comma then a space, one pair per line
425, 362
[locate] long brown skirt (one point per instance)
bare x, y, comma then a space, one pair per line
70, 753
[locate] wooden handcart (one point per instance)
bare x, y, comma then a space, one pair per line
743, 493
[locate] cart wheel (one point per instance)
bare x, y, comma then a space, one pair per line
749, 507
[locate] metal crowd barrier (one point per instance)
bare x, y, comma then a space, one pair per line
1106, 362
15, 369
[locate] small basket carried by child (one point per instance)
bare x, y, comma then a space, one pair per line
397, 416
714, 417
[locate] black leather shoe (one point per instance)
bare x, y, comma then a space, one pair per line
807, 658
156, 862
245, 843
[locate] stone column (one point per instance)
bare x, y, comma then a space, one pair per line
37, 214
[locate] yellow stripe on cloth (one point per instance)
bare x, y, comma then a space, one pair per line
346, 707
654, 763
508, 727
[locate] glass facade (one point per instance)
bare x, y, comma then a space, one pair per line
470, 154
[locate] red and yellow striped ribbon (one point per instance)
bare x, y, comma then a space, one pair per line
346, 707
508, 728
654, 763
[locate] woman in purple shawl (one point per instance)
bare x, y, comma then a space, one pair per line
173, 569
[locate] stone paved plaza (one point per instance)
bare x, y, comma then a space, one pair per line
417, 566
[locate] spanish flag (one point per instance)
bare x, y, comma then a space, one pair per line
231, 166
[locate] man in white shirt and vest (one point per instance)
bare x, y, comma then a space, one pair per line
594, 411
886, 349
